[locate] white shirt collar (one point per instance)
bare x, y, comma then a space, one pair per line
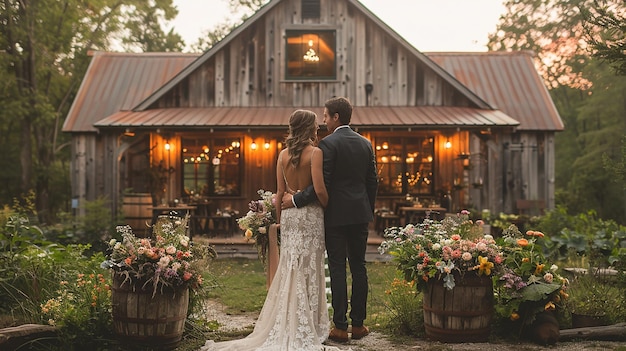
341, 126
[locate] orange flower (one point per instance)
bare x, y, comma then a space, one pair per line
525, 259
514, 316
539, 268
522, 242
549, 306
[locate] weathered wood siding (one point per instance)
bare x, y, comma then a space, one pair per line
249, 71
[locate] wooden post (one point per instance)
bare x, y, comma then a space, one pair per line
272, 254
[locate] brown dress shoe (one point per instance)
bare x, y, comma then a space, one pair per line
359, 332
338, 335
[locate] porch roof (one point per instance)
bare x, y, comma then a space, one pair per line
277, 117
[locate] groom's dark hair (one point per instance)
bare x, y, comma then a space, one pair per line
340, 105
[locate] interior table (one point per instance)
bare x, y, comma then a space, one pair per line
416, 214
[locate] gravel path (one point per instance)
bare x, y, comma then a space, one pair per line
378, 342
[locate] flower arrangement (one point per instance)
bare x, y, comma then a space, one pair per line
256, 223
165, 263
527, 284
442, 250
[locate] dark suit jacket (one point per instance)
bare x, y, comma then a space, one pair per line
350, 178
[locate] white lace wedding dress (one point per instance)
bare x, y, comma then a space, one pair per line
295, 314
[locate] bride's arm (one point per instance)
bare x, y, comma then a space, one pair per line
280, 186
318, 176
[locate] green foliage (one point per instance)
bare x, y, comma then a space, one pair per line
606, 31
81, 308
94, 228
584, 239
592, 294
405, 308
45, 47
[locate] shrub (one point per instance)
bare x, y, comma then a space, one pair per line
405, 306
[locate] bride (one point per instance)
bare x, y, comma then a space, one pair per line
295, 313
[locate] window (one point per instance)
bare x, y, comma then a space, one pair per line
310, 8
405, 165
212, 167
310, 54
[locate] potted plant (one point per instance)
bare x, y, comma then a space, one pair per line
528, 285
593, 300
455, 250
151, 282
440, 256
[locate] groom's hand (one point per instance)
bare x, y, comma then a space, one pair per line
287, 201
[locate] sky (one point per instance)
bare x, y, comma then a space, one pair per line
429, 25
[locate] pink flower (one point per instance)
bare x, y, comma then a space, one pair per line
466, 256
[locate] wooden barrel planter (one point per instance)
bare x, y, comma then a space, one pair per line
143, 320
137, 213
462, 314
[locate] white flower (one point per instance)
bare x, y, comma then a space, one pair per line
488, 237
164, 261
554, 268
548, 277
262, 230
112, 242
466, 256
436, 247
170, 250
184, 242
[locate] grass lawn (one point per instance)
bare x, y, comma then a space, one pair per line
242, 287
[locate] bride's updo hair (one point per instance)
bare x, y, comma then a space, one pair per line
302, 132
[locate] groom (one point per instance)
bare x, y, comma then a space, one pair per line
350, 177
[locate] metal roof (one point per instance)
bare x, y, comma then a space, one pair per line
508, 81
277, 117
120, 81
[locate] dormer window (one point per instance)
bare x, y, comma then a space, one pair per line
310, 54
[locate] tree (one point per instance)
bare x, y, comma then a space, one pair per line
243, 8
145, 23
605, 26
587, 95
44, 49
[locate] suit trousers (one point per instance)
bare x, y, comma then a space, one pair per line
348, 242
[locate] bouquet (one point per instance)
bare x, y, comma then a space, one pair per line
166, 262
444, 249
256, 223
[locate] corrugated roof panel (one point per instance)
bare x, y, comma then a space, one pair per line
508, 81
276, 117
119, 81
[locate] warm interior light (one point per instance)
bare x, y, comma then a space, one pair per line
253, 146
167, 146
266, 145
448, 144
205, 149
